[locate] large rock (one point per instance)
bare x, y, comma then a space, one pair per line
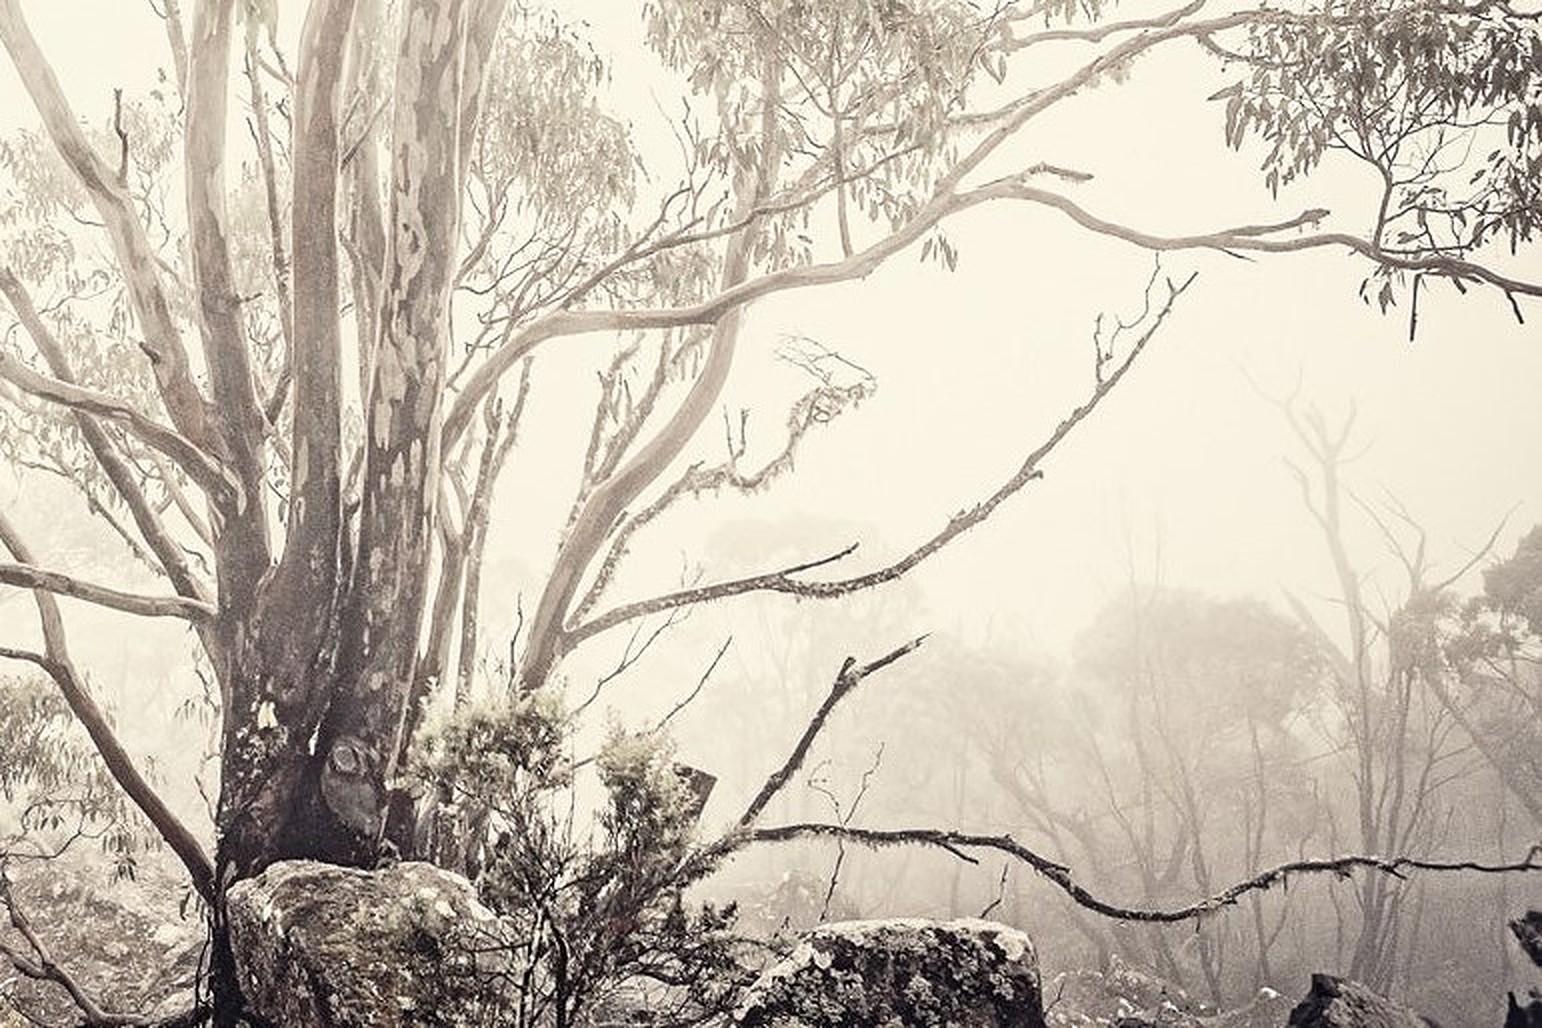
966, 973
319, 945
1342, 1003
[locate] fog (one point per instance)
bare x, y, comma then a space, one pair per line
1183, 498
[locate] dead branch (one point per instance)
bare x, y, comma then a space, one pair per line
787, 581
1062, 878
37, 962
701, 683
849, 677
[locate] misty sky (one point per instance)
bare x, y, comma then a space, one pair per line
1181, 471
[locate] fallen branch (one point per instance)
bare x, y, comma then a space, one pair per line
37, 962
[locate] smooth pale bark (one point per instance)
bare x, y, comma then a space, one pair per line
311, 551
242, 558
611, 497
361, 734
366, 218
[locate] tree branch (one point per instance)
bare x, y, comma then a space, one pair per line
162, 342
55, 660
849, 677
1098, 33
786, 581
204, 469
241, 424
1260, 239
310, 552
41, 966
26, 576
166, 549
1062, 878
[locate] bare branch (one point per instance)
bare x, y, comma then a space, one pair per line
55, 660
1263, 239
39, 964
26, 576
176, 38
787, 582
1062, 878
849, 677
1098, 33
701, 683
495, 453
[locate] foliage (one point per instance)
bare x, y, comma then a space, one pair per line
1411, 90
56, 790
602, 926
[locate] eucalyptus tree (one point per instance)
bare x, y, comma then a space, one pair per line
291, 395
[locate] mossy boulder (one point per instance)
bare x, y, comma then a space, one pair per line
320, 945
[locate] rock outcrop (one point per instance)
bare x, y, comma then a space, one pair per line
966, 973
338, 947
1342, 1003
